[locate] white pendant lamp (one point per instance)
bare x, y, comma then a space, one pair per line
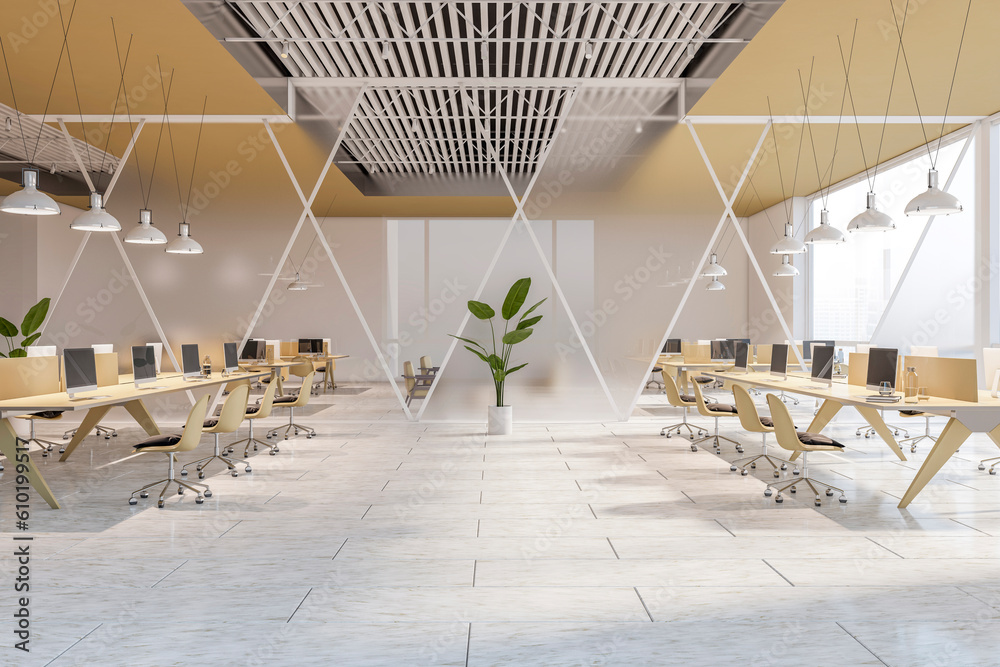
786, 270
789, 245
933, 201
297, 285
183, 244
145, 233
29, 201
715, 286
713, 270
825, 233
871, 220
97, 219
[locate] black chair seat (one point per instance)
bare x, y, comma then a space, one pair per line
47, 414
657, 369
721, 407
704, 379
253, 409
210, 422
285, 399
766, 421
817, 439
689, 398
159, 441
911, 413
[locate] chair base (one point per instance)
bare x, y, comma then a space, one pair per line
785, 398
288, 427
741, 464
716, 443
993, 466
203, 463
44, 446
181, 485
814, 484
914, 440
676, 428
896, 430
251, 442
99, 430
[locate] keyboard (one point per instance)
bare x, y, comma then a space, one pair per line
878, 398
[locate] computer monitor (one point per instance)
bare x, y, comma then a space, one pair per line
253, 350
722, 350
232, 363
672, 346
822, 364
316, 346
143, 364
190, 361
742, 355
807, 346
80, 366
305, 345
779, 360
881, 367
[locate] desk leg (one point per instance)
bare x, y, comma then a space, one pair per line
8, 445
276, 377
824, 416
142, 417
951, 438
872, 416
995, 436
90, 420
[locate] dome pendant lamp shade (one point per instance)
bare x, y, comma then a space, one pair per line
183, 244
713, 270
29, 201
933, 201
297, 285
145, 233
825, 233
96, 219
789, 245
871, 220
715, 286
786, 270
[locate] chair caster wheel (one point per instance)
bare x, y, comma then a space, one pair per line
248, 469
115, 434
107, 437
272, 452
829, 492
858, 433
768, 492
732, 468
268, 436
159, 503
201, 475
867, 436
843, 500
199, 500
208, 493
796, 472
777, 474
180, 491
286, 437
694, 448
744, 472
895, 432
993, 471
184, 472
235, 474
668, 435
65, 437
62, 451
45, 453
784, 466
817, 502
982, 467
753, 466
792, 489
132, 501
779, 499
309, 437
144, 494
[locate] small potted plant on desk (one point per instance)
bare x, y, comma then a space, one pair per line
501, 416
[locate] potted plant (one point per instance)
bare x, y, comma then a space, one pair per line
29, 329
498, 357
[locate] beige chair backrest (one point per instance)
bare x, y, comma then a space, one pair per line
234, 410
425, 363
265, 403
784, 428
302, 366
304, 393
673, 393
409, 375
747, 411
194, 426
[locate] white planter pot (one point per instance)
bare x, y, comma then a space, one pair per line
501, 420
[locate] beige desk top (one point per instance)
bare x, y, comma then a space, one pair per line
317, 357
116, 394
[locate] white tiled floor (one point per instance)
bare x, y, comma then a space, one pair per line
382, 542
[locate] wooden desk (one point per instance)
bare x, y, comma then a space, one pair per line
125, 395
680, 369
964, 417
329, 362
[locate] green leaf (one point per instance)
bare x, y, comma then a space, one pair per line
18, 352
515, 298
468, 340
516, 368
35, 317
31, 339
531, 321
2, 355
516, 336
7, 328
477, 353
499, 375
481, 310
532, 309
495, 362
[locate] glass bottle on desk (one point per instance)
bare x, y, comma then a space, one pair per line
910, 385
206, 366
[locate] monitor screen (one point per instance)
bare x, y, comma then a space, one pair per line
722, 350
190, 360
143, 363
779, 359
881, 367
229, 352
305, 345
742, 354
81, 369
317, 346
251, 350
808, 345
672, 346
822, 362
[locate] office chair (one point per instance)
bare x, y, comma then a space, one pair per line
228, 421
170, 445
254, 412
417, 386
107, 432
753, 422
45, 446
715, 411
653, 378
292, 402
685, 402
799, 441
